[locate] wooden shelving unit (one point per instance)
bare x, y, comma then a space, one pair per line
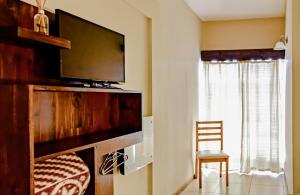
75, 119
40, 122
41, 118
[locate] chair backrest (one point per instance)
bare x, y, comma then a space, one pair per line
209, 131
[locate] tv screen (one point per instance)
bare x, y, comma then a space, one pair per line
96, 53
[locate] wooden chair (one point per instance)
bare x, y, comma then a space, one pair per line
203, 134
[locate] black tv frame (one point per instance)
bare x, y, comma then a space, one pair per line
86, 82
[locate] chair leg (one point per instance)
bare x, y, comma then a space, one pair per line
227, 182
220, 169
196, 169
200, 174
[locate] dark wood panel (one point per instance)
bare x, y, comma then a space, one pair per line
130, 111
6, 15
23, 61
247, 54
88, 156
16, 156
60, 115
24, 14
32, 65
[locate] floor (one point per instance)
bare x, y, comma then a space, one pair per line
256, 183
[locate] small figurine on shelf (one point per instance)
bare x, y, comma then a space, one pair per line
41, 21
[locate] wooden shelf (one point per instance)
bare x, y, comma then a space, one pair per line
28, 34
78, 143
79, 89
34, 37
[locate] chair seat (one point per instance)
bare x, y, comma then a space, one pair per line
211, 154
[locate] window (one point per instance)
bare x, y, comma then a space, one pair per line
249, 97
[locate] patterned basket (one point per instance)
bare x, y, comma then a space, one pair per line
63, 175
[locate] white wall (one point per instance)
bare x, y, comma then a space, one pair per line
176, 54
242, 34
292, 53
296, 93
288, 165
174, 95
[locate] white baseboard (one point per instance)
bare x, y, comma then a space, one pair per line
185, 185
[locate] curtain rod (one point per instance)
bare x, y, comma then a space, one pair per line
246, 54
239, 62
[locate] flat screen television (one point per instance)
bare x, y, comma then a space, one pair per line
96, 54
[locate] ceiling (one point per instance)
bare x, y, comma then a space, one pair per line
237, 9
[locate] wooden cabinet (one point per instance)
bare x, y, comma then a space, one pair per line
39, 122
40, 117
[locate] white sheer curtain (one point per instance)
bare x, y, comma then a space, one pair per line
220, 99
249, 98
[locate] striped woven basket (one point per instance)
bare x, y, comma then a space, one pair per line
63, 175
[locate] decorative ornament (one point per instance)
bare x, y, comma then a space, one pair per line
41, 21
